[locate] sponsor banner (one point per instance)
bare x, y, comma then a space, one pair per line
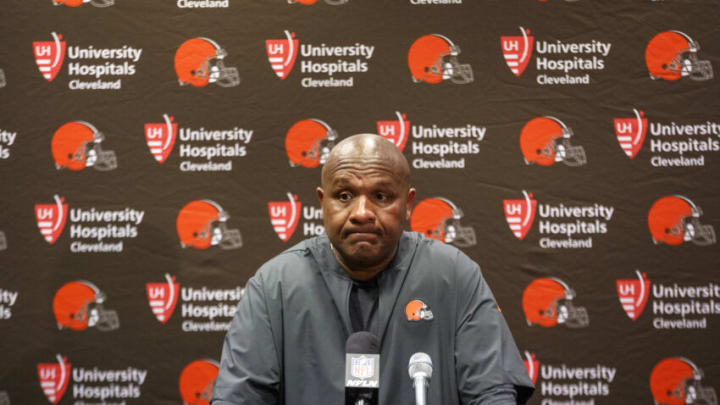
549, 302
675, 220
203, 3
200, 149
672, 144
201, 61
557, 63
674, 306
197, 380
89, 67
202, 309
8, 298
90, 384
202, 224
439, 218
576, 384
321, 65
673, 55
560, 225
7, 139
677, 380
434, 146
92, 229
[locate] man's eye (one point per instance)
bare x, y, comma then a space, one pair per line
344, 196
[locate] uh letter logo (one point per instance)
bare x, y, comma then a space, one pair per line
395, 131
49, 56
160, 137
51, 218
520, 214
54, 378
284, 216
517, 50
162, 297
630, 133
282, 53
633, 295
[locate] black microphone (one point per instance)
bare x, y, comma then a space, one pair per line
420, 370
362, 369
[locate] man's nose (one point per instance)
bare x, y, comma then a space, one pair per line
363, 211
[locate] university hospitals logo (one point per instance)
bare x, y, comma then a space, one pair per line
517, 50
520, 214
532, 365
51, 218
282, 53
630, 133
633, 294
160, 137
162, 297
54, 378
396, 132
49, 56
284, 216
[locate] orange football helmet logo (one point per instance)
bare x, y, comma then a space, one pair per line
197, 380
200, 61
78, 3
203, 223
433, 58
438, 218
78, 305
674, 219
76, 145
548, 302
308, 143
672, 55
416, 311
546, 140
676, 381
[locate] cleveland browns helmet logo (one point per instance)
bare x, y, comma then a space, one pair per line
77, 3
630, 133
284, 216
433, 59
200, 61
517, 50
417, 311
76, 145
162, 297
49, 56
396, 132
633, 294
54, 378
78, 305
160, 137
197, 380
548, 302
51, 218
677, 381
203, 223
438, 218
532, 365
282, 53
672, 55
546, 140
675, 219
308, 143
520, 214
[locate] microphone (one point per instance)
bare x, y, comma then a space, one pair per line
362, 369
420, 370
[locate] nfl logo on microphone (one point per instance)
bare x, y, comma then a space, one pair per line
362, 367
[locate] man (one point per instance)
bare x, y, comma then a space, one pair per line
286, 343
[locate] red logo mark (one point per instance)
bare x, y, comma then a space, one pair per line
162, 297
284, 216
51, 218
282, 53
631, 132
395, 131
633, 295
517, 50
532, 365
49, 56
520, 214
160, 137
54, 378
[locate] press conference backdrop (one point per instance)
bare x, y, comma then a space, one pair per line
155, 153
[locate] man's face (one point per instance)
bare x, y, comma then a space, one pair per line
365, 208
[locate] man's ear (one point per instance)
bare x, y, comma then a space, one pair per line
410, 201
320, 194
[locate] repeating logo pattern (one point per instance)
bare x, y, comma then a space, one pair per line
49, 56
630, 133
284, 216
54, 378
517, 50
520, 214
633, 294
51, 218
282, 53
163, 297
395, 131
160, 137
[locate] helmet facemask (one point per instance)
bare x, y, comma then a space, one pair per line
687, 64
461, 236
570, 315
219, 73
697, 233
224, 237
101, 3
103, 320
567, 153
452, 69
336, 2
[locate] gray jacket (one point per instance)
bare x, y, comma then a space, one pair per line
286, 344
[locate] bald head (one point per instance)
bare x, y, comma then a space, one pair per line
366, 148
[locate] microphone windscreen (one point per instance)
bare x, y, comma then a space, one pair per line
420, 363
362, 342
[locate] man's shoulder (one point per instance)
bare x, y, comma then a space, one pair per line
295, 258
436, 250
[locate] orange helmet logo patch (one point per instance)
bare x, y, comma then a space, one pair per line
417, 310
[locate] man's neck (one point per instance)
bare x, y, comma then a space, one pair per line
362, 273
